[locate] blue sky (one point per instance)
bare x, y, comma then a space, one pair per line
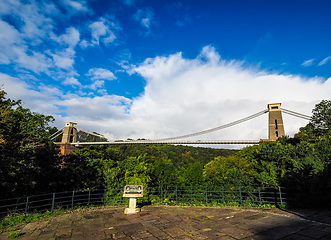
141, 68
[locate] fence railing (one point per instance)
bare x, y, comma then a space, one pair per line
171, 195
217, 195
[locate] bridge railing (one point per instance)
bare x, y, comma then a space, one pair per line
170, 195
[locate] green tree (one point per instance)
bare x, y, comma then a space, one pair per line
232, 170
164, 173
136, 171
269, 160
84, 169
28, 160
320, 124
192, 175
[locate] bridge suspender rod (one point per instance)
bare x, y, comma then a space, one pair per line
299, 115
54, 135
217, 128
81, 129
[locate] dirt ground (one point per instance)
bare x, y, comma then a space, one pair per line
165, 222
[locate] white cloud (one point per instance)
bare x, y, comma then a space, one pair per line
71, 81
106, 107
4, 59
50, 90
8, 35
16, 88
70, 38
77, 5
29, 17
40, 100
36, 62
51, 100
188, 95
101, 74
64, 59
96, 85
208, 53
84, 44
144, 17
102, 30
324, 61
28, 36
64, 54
72, 8
308, 62
183, 96
17, 43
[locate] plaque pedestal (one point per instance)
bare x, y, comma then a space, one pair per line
132, 207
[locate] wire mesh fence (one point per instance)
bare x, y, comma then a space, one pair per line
170, 195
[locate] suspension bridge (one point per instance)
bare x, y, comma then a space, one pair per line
276, 129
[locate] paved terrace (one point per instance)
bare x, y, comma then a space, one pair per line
164, 222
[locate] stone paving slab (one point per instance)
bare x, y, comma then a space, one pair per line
165, 222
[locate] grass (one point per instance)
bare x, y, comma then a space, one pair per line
14, 235
6, 224
10, 221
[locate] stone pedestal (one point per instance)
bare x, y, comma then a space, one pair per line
132, 207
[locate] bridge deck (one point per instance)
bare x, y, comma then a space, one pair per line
170, 142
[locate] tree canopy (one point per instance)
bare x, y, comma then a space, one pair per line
28, 160
320, 124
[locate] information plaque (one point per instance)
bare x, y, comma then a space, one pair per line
133, 191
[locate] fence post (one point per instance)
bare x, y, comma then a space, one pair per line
275, 196
241, 201
121, 195
206, 195
191, 194
72, 199
260, 196
104, 196
89, 197
176, 196
161, 195
223, 195
280, 196
26, 205
53, 202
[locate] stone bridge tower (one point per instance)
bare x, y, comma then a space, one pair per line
276, 125
69, 136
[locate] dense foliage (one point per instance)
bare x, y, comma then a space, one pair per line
150, 165
30, 162
300, 164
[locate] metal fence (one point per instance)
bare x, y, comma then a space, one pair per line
217, 195
170, 195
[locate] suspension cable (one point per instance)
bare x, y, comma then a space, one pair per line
296, 114
217, 128
57, 133
94, 134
